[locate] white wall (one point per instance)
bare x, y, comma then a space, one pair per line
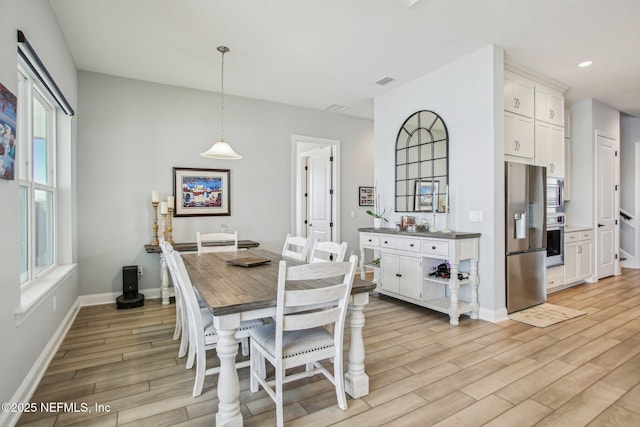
587, 116
24, 343
133, 133
467, 94
629, 135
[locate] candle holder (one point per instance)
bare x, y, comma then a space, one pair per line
155, 241
446, 222
164, 225
170, 226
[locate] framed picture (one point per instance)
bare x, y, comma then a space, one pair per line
424, 195
366, 196
201, 192
8, 104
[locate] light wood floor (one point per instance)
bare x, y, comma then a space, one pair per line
585, 371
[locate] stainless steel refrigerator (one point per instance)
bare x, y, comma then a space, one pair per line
526, 235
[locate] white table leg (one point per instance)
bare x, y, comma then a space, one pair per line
356, 380
164, 276
228, 384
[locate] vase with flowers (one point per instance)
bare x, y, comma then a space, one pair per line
377, 215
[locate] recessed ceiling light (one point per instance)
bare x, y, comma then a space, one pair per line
585, 64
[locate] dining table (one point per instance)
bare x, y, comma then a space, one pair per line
243, 285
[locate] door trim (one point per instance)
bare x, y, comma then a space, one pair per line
616, 208
300, 145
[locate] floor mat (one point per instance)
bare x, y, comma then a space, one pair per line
545, 315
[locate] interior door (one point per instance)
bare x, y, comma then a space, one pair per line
606, 192
320, 197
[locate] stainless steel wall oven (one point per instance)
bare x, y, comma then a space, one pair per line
555, 239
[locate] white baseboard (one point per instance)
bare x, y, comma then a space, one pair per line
37, 371
110, 297
493, 316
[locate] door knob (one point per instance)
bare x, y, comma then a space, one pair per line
600, 225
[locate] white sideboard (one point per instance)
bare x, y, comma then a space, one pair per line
402, 263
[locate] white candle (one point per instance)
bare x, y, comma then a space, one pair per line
163, 208
154, 196
170, 201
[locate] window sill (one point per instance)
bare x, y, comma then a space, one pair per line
32, 296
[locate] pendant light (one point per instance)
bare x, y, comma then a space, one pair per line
221, 150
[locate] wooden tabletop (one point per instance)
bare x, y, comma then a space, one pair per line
231, 289
192, 246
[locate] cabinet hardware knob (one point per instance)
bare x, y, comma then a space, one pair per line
398, 275
410, 244
385, 242
433, 247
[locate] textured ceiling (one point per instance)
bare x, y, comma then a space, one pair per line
315, 53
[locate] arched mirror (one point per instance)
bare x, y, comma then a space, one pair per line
422, 166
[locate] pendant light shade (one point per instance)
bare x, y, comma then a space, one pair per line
221, 150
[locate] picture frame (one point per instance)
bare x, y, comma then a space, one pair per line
366, 196
8, 114
424, 195
201, 192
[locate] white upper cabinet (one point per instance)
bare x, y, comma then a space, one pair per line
549, 148
518, 137
518, 94
549, 105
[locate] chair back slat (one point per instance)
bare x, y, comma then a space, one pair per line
296, 247
295, 322
298, 298
230, 241
327, 251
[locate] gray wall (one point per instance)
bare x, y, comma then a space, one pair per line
23, 343
467, 94
133, 133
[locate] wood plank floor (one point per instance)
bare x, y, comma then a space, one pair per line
585, 371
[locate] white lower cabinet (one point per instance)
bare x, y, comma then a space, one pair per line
400, 274
402, 263
578, 256
555, 277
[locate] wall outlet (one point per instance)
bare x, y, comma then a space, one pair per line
55, 303
139, 271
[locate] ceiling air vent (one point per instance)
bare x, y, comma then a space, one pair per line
336, 108
385, 81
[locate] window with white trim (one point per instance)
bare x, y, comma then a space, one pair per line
35, 168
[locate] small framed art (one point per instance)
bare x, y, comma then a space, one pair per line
201, 192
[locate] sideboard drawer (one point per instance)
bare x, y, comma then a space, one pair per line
412, 245
370, 240
435, 247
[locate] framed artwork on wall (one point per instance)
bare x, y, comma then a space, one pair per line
425, 193
8, 108
367, 195
201, 192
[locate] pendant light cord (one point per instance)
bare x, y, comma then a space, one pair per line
222, 95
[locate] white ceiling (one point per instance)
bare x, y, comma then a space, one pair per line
315, 53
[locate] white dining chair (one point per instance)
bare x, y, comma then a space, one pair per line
182, 322
327, 251
225, 242
296, 247
202, 332
308, 328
